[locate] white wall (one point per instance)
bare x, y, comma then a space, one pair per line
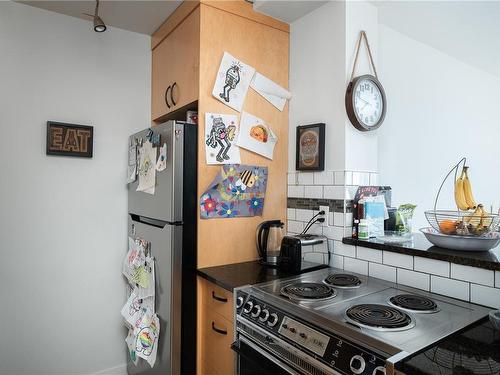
322, 48
440, 109
360, 146
63, 220
317, 65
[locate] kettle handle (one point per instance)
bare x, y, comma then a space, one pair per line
258, 241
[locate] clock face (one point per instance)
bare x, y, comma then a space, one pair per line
368, 102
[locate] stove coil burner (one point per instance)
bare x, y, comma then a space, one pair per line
414, 303
303, 291
380, 317
343, 280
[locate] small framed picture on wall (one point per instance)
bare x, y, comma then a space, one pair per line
310, 148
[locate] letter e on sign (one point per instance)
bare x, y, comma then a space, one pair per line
69, 139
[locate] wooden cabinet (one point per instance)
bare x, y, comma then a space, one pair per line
186, 53
217, 332
175, 67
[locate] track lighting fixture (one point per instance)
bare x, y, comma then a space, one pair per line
99, 25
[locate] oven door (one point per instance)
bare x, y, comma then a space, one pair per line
252, 359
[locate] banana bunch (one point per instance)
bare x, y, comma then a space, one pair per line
479, 221
463, 192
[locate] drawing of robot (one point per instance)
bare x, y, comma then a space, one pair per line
232, 80
221, 136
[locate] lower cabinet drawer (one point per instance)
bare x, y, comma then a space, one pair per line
218, 299
217, 337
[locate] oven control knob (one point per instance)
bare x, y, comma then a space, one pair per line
357, 364
293, 330
272, 320
248, 307
264, 315
303, 335
380, 370
239, 302
255, 311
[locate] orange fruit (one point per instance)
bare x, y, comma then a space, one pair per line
448, 226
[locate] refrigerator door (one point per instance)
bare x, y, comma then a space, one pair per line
166, 248
166, 203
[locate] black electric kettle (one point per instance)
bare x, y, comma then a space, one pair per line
268, 237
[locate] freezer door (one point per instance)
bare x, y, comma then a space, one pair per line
166, 203
166, 248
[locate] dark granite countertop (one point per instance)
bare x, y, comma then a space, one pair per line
231, 276
475, 350
420, 246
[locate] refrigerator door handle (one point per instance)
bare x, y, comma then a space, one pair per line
153, 222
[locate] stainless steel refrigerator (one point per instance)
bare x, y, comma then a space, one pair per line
168, 220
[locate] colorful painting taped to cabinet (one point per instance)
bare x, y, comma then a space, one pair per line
237, 191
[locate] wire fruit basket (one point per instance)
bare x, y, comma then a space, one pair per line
461, 223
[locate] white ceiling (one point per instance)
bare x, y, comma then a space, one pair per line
466, 30
139, 16
287, 10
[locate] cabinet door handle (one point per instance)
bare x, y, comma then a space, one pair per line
166, 96
220, 299
219, 331
172, 94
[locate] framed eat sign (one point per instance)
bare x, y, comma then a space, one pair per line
69, 139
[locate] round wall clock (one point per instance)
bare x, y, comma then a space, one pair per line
365, 102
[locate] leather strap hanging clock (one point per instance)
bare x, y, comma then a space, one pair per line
365, 100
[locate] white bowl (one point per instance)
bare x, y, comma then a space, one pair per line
462, 243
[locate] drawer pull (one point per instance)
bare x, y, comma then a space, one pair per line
166, 96
219, 331
172, 94
220, 299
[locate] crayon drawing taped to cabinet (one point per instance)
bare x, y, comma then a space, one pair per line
237, 191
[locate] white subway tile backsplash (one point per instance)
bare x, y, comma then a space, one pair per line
398, 260
330, 218
381, 271
484, 295
360, 178
374, 179
356, 265
350, 192
472, 274
436, 267
292, 178
497, 279
348, 178
290, 213
348, 219
343, 249
306, 178
338, 219
303, 215
313, 191
295, 191
334, 233
356, 178
337, 261
414, 279
334, 192
450, 288
295, 226
372, 255
323, 178
339, 177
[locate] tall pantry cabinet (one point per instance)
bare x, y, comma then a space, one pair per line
186, 53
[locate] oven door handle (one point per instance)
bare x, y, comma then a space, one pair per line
236, 347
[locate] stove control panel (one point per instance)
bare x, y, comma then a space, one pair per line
307, 337
330, 349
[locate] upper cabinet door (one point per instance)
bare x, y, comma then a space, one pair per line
175, 68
